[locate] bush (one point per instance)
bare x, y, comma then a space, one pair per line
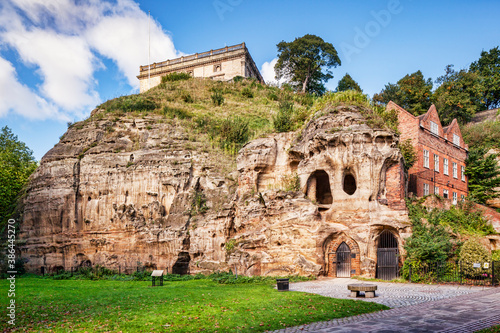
130, 103
427, 242
176, 76
473, 252
238, 78
186, 97
176, 113
233, 132
291, 183
283, 121
409, 153
247, 92
217, 97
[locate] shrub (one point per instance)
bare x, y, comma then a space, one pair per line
247, 92
233, 132
186, 97
217, 97
272, 96
130, 103
176, 113
176, 76
290, 183
238, 78
283, 121
473, 252
409, 153
427, 243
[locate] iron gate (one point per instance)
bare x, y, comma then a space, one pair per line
387, 257
343, 260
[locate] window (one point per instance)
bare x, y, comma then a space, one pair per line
455, 199
426, 189
436, 190
445, 166
455, 170
456, 140
462, 168
445, 194
217, 68
426, 158
462, 197
434, 128
436, 163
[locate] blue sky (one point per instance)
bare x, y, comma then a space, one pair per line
60, 59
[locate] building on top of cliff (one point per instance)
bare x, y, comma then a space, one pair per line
222, 64
441, 151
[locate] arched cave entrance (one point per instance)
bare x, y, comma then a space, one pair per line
181, 266
318, 189
343, 260
342, 256
387, 256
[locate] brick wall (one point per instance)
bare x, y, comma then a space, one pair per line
332, 258
395, 186
418, 129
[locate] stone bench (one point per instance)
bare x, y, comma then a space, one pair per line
368, 289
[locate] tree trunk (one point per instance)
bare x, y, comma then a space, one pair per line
304, 85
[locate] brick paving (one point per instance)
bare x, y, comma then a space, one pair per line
415, 308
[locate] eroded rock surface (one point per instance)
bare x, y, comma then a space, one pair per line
144, 192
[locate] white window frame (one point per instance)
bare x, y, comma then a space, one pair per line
462, 168
455, 170
445, 166
426, 189
456, 140
434, 128
436, 162
436, 190
455, 198
426, 158
445, 194
462, 197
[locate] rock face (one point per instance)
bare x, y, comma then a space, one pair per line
144, 192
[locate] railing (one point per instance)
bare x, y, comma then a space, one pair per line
193, 57
453, 272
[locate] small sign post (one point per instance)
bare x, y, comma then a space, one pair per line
157, 276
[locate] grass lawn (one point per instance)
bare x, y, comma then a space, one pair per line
182, 306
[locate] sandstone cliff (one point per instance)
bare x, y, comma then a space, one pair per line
142, 190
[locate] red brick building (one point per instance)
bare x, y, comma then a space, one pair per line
440, 167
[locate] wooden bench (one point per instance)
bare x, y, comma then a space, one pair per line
368, 289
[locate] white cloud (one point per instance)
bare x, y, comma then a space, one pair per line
62, 42
20, 98
269, 74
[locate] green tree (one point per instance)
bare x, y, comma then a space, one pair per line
347, 83
16, 165
412, 92
458, 95
488, 68
483, 173
306, 63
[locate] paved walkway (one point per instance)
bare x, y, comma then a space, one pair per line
415, 308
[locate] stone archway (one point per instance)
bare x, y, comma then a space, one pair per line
332, 259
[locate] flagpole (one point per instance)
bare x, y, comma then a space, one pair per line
149, 49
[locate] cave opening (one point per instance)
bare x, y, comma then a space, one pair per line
319, 189
181, 266
349, 184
